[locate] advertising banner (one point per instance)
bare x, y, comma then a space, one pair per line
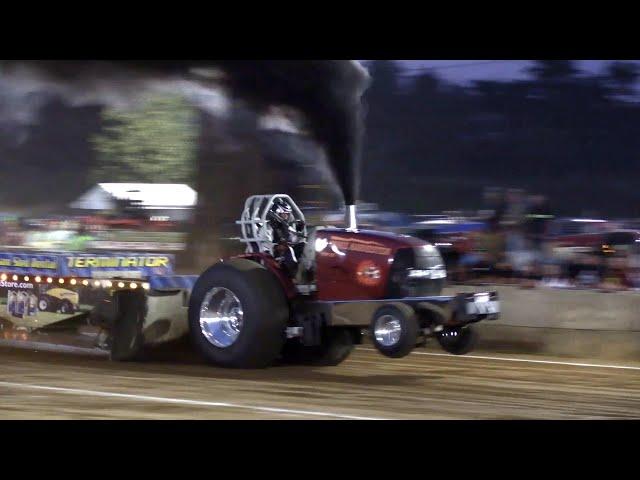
51, 297
134, 266
29, 306
116, 265
29, 263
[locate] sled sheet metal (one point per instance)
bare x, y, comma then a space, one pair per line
173, 282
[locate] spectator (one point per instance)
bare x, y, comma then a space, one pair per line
487, 254
515, 207
553, 277
537, 221
3, 232
495, 204
517, 255
633, 278
633, 269
615, 277
586, 270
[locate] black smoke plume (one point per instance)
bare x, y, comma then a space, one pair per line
327, 92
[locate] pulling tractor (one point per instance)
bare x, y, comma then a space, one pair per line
249, 312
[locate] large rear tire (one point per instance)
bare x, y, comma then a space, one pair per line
238, 314
66, 307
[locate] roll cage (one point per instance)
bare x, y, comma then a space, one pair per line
255, 230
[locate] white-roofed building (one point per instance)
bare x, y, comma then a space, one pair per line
174, 200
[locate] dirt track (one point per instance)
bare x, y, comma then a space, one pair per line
41, 385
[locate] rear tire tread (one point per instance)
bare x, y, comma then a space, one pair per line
265, 309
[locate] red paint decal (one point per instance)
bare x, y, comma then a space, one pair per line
368, 273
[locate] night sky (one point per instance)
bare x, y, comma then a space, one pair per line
457, 140
464, 71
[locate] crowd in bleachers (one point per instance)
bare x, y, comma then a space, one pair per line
519, 246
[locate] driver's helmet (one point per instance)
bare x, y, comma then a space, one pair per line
282, 210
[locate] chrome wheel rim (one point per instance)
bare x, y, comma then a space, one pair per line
221, 317
387, 330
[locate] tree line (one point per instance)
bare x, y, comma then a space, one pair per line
432, 145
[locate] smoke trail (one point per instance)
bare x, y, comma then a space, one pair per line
328, 93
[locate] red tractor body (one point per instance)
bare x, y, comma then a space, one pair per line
250, 309
359, 265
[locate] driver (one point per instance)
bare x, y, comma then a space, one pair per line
287, 235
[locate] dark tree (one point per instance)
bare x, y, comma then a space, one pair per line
385, 80
553, 69
623, 76
433, 146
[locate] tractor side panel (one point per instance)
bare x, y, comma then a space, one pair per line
352, 265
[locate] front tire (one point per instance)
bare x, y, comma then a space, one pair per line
394, 330
238, 314
44, 304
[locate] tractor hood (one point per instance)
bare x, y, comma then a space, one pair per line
367, 264
358, 239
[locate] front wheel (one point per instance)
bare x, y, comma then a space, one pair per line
238, 314
44, 304
394, 330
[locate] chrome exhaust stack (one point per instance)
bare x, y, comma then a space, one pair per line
350, 218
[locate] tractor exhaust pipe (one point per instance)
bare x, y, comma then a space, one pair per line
350, 218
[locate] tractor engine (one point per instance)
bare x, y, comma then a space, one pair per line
368, 265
